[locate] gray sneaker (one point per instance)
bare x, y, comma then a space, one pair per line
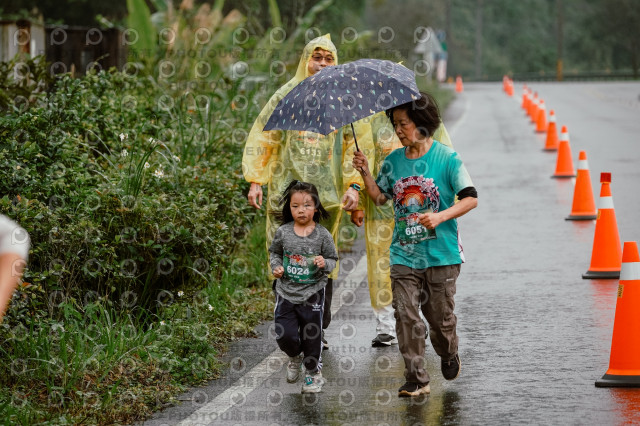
382, 340
293, 368
312, 382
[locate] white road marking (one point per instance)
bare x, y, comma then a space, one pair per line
452, 130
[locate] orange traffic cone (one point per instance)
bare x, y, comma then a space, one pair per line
533, 107
605, 256
624, 361
525, 97
533, 97
541, 120
459, 84
564, 165
584, 208
551, 143
510, 87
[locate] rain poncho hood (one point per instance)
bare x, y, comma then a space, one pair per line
255, 167
274, 158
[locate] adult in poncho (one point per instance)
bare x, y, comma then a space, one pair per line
276, 157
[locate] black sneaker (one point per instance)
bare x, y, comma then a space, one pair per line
382, 340
325, 345
450, 369
414, 389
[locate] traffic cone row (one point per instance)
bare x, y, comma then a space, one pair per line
607, 258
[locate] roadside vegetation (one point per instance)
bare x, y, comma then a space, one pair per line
146, 260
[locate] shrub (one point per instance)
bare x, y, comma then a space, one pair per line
127, 188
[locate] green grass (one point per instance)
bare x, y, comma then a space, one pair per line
100, 365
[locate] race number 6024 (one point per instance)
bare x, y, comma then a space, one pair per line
294, 270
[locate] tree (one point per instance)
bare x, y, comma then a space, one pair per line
617, 22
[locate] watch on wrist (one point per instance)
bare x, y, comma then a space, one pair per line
355, 186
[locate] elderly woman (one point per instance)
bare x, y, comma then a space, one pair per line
422, 178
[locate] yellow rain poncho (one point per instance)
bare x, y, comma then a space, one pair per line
274, 158
379, 220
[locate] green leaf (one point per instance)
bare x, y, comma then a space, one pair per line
139, 21
274, 12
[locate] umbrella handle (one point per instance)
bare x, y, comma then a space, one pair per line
354, 137
357, 149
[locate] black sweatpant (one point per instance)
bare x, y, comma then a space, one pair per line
328, 296
299, 328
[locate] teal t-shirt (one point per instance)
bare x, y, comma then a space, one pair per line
416, 186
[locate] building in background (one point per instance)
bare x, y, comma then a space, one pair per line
21, 36
77, 49
430, 47
71, 49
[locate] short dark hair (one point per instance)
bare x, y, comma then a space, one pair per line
285, 215
424, 113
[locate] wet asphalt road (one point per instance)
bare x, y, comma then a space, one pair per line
534, 336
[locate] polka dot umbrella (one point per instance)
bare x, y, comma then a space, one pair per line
339, 95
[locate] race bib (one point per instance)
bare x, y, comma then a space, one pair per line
300, 268
410, 231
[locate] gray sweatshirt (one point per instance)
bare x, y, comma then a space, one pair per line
301, 277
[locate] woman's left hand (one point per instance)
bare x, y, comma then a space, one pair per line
319, 261
430, 220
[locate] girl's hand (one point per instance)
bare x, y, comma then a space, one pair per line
278, 272
319, 261
360, 163
357, 217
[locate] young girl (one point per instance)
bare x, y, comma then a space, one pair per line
301, 256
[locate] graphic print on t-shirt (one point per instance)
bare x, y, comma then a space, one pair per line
413, 196
300, 268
